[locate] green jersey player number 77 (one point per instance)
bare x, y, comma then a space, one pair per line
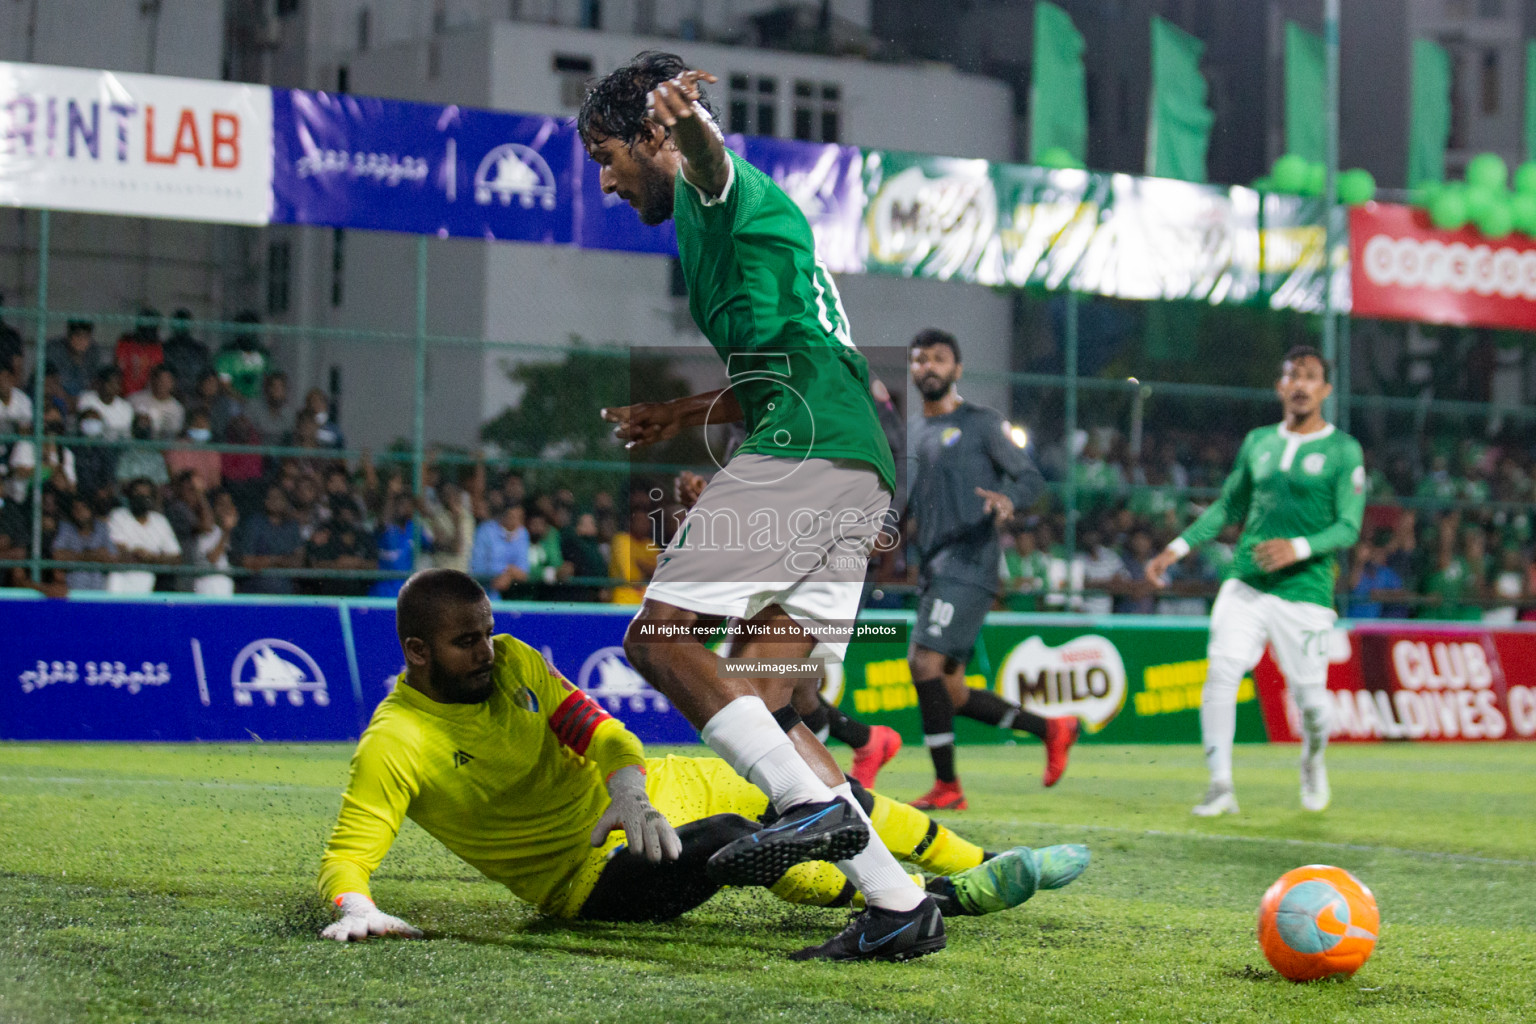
1299, 490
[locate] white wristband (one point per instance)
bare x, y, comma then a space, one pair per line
1179, 546
1302, 548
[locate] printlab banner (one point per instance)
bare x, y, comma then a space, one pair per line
1435, 681
1403, 268
139, 145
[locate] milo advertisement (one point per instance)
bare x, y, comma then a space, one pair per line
1129, 680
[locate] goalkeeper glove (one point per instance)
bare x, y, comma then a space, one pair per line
646, 830
360, 919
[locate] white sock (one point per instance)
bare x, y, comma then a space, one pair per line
1218, 716
1316, 719
745, 734
874, 870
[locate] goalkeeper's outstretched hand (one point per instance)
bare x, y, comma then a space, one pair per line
645, 828
360, 919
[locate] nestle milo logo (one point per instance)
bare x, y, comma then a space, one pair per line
1083, 677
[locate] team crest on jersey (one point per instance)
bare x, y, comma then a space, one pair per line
1313, 463
526, 699
949, 436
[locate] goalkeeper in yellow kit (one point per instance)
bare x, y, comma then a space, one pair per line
533, 784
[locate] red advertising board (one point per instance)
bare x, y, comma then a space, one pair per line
1404, 268
1404, 682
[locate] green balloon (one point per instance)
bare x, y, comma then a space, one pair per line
1497, 221
1487, 170
1480, 200
1289, 173
1448, 210
1356, 186
1317, 180
1525, 177
1424, 195
1522, 206
1058, 157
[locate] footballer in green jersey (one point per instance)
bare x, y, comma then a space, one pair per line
1299, 490
777, 543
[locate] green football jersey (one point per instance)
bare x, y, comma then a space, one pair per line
769, 307
1285, 485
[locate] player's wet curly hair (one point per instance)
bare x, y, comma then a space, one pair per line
615, 107
1308, 352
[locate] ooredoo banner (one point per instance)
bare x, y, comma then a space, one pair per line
1438, 681
140, 145
1403, 268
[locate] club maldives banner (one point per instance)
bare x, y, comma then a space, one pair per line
144, 145
1402, 681
1404, 268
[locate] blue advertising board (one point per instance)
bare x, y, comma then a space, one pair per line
357, 161
180, 668
163, 670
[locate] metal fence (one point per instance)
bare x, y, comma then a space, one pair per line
1133, 409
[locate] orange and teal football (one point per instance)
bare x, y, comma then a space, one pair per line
1318, 921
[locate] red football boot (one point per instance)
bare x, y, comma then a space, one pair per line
1060, 734
944, 796
884, 742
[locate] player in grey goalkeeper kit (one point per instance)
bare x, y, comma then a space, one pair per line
1299, 490
968, 472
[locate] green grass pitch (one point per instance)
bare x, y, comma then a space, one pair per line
174, 883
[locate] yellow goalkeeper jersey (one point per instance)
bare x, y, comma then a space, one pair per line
513, 785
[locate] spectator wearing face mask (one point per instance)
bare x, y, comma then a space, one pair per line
318, 408
142, 535
191, 455
148, 463
95, 465
107, 400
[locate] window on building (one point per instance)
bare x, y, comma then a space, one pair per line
752, 105
591, 14
573, 72
1490, 82
285, 8
279, 275
1459, 106
343, 79
816, 116
338, 264
364, 28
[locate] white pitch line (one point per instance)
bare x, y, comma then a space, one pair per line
1217, 837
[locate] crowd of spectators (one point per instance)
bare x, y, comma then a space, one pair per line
1448, 530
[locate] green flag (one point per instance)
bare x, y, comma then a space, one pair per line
1530, 100
1179, 128
1305, 83
1430, 114
1058, 97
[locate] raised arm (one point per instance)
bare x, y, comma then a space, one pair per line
675, 105
1230, 507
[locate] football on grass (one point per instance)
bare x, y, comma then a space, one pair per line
1318, 921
